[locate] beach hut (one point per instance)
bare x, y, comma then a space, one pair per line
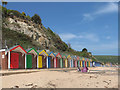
3, 59
97, 64
64, 57
83, 62
58, 60
31, 58
78, 61
51, 57
14, 58
42, 59
69, 61
91, 63
74, 61
87, 62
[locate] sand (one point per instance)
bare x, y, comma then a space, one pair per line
98, 77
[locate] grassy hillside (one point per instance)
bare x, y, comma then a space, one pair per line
13, 38
107, 59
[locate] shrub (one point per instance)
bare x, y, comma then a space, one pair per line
36, 19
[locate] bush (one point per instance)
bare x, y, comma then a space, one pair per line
36, 19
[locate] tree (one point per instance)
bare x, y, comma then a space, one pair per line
84, 50
36, 19
4, 3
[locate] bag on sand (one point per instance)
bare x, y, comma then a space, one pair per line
84, 69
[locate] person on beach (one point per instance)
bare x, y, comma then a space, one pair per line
78, 69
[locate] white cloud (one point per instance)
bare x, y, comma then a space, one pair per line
67, 36
109, 8
102, 48
108, 37
88, 36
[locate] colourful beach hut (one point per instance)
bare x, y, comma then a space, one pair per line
58, 61
83, 62
42, 59
78, 61
16, 56
64, 57
87, 62
91, 63
3, 59
74, 61
31, 58
51, 57
69, 61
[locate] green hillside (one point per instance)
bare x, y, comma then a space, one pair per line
107, 59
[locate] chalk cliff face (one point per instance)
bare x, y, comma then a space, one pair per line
28, 28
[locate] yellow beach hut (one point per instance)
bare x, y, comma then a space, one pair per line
42, 59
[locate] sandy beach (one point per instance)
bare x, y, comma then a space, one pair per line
98, 77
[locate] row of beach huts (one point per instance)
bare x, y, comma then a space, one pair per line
18, 58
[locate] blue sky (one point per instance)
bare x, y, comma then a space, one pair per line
91, 25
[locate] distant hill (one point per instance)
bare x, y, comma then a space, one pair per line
107, 59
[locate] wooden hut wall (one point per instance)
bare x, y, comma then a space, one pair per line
4, 60
83, 63
17, 60
55, 62
58, 62
51, 62
44, 61
39, 61
29, 61
66, 63
61, 63
78, 63
34, 61
21, 61
74, 63
89, 63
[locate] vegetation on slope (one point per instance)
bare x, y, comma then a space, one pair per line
107, 59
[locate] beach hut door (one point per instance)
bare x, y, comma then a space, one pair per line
14, 63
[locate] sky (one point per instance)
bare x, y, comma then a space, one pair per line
91, 25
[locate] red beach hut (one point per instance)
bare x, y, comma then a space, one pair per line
14, 58
57, 61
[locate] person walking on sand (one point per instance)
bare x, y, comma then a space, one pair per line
78, 69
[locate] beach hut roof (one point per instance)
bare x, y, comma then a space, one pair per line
64, 55
52, 54
78, 58
83, 58
33, 51
42, 52
17, 48
59, 55
69, 57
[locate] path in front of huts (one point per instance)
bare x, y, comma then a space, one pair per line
98, 77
